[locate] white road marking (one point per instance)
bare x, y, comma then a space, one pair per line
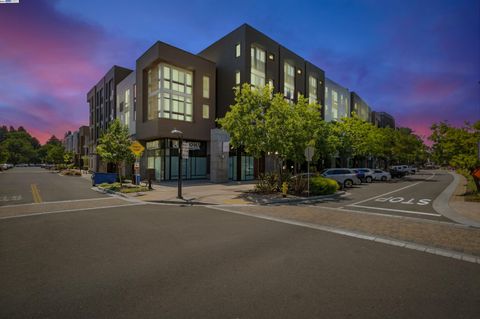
394, 191
61, 201
388, 241
396, 210
70, 210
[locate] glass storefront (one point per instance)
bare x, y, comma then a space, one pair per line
162, 155
241, 167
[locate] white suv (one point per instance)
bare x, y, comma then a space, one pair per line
344, 176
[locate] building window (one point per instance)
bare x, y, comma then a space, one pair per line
206, 87
134, 102
237, 78
170, 93
334, 105
206, 111
127, 108
257, 67
237, 50
312, 90
289, 83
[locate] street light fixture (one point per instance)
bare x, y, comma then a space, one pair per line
180, 137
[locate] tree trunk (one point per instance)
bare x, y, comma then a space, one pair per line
119, 173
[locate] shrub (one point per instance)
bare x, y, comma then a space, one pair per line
71, 172
267, 183
134, 189
323, 186
298, 185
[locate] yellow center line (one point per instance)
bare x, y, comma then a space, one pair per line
36, 194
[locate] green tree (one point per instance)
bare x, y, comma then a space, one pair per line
245, 122
114, 146
54, 153
3, 155
68, 157
264, 123
18, 147
457, 146
352, 138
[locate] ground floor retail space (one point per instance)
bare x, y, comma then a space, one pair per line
161, 155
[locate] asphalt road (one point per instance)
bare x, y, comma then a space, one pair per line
192, 262
22, 185
157, 261
410, 196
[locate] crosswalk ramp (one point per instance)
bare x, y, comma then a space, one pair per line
23, 210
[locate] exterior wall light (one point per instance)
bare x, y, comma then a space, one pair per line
299, 71
271, 57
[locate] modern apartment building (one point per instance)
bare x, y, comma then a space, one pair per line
383, 119
337, 101
83, 140
175, 89
102, 106
360, 107
246, 55
126, 104
172, 89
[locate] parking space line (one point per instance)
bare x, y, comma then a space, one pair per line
394, 191
397, 210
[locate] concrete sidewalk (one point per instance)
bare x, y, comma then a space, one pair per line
469, 210
200, 192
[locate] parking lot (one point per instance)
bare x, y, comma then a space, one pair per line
412, 196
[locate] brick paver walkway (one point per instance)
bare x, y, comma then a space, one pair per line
441, 235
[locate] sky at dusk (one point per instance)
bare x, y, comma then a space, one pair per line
417, 60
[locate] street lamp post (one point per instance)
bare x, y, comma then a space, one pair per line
180, 136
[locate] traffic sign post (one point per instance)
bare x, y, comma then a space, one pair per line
309, 151
137, 149
185, 149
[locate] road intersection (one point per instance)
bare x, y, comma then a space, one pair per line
79, 253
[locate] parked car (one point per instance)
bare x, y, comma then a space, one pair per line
412, 170
345, 177
400, 168
397, 171
367, 174
380, 175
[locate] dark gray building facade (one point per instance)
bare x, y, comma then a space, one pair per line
175, 90
360, 107
383, 119
246, 55
102, 107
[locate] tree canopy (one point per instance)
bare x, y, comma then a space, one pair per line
114, 145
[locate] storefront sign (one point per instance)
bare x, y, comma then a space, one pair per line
194, 146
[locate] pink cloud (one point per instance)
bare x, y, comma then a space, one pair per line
49, 62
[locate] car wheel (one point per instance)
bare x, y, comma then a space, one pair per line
348, 183
384, 178
368, 179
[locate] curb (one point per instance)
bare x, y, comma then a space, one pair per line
108, 191
304, 199
179, 202
355, 234
442, 206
